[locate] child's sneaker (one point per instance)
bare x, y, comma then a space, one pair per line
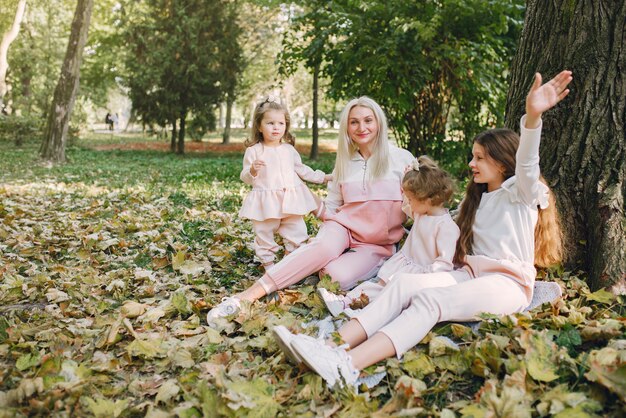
334, 365
334, 303
228, 306
284, 338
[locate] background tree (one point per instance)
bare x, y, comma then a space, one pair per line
583, 150
175, 66
7, 38
304, 43
55, 133
232, 61
37, 55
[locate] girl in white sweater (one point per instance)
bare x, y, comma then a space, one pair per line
508, 224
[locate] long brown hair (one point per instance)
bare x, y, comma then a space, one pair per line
501, 145
259, 111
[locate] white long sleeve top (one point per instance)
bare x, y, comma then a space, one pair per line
504, 227
429, 248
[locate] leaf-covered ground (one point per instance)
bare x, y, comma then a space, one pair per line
109, 264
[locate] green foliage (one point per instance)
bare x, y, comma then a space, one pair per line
20, 128
182, 58
419, 60
200, 125
36, 55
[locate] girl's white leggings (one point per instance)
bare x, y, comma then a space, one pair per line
411, 304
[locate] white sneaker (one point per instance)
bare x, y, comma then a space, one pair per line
228, 306
285, 338
334, 303
334, 365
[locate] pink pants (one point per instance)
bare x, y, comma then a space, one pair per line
327, 251
411, 304
291, 228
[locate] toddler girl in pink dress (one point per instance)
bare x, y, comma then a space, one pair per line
279, 199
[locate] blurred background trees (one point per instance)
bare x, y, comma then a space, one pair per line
187, 66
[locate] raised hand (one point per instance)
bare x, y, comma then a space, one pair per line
543, 97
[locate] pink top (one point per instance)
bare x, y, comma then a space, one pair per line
370, 209
429, 248
277, 191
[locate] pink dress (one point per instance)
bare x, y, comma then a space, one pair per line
277, 189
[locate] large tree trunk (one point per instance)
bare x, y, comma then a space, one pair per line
316, 134
7, 39
583, 147
230, 100
55, 134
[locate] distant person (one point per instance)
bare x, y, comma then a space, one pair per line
362, 213
108, 120
279, 199
430, 245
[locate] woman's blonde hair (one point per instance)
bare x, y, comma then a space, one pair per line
259, 111
501, 146
425, 180
379, 161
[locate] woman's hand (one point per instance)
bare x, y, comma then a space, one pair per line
543, 97
327, 178
256, 166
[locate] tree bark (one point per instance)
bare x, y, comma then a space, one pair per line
230, 100
55, 133
174, 136
315, 130
7, 39
180, 149
582, 152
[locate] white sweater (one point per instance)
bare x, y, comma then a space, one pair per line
504, 227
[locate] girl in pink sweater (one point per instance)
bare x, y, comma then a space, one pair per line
508, 224
279, 199
430, 246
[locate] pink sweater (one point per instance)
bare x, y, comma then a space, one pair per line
370, 209
277, 190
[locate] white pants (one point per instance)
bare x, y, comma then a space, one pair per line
291, 228
370, 288
411, 304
